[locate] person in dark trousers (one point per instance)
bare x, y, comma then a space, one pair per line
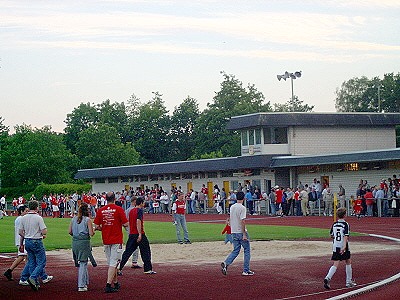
137, 238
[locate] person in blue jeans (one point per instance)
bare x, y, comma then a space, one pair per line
240, 236
33, 230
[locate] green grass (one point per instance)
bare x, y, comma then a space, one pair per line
159, 233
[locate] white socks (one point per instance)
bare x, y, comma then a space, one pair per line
331, 272
349, 274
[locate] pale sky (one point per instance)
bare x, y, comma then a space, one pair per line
55, 54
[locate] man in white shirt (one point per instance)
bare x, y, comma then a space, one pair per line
33, 230
240, 236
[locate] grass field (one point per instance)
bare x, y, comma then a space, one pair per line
158, 233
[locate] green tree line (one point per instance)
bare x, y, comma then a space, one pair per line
136, 132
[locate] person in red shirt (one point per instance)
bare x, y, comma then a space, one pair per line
278, 199
369, 201
357, 207
178, 210
137, 238
109, 220
228, 233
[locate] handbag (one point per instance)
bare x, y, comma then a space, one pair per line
394, 203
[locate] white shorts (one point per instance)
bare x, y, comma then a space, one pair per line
113, 254
55, 208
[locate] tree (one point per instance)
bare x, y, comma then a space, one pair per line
99, 146
31, 156
232, 100
150, 130
81, 118
114, 115
293, 105
369, 95
390, 93
183, 121
350, 97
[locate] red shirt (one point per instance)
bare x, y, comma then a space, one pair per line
279, 194
180, 207
357, 206
369, 198
111, 218
227, 229
134, 215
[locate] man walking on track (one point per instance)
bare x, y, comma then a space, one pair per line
239, 235
33, 230
138, 238
109, 220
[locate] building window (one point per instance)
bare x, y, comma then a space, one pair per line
126, 179
251, 137
258, 136
275, 135
245, 140
228, 173
212, 174
143, 178
113, 180
100, 180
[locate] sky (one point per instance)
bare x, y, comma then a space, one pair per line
55, 55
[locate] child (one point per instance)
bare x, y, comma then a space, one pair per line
227, 230
340, 235
357, 207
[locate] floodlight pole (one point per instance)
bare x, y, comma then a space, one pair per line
292, 77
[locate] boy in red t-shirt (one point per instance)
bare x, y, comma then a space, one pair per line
228, 232
357, 207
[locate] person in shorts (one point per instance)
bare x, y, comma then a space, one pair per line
109, 220
340, 232
22, 211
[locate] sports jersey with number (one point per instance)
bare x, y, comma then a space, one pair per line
339, 230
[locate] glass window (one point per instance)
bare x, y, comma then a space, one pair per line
245, 141
113, 180
267, 135
281, 135
258, 136
100, 180
251, 137
275, 135
212, 174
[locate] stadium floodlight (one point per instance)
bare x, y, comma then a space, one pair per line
292, 76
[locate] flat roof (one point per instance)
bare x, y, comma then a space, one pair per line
264, 119
190, 166
339, 158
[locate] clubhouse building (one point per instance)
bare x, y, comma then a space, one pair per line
278, 149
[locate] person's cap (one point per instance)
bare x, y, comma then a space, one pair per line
276, 187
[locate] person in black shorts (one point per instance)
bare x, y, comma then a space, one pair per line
340, 234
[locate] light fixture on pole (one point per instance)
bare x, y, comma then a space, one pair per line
292, 76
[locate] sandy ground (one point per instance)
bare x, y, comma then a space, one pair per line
212, 252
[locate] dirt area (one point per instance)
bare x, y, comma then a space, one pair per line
211, 252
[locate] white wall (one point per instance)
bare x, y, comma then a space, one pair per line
319, 140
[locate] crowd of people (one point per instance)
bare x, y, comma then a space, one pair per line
126, 209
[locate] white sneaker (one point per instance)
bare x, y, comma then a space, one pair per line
249, 273
351, 284
49, 277
82, 289
23, 282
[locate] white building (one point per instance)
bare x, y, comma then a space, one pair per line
278, 148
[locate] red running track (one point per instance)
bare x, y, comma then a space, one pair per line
276, 279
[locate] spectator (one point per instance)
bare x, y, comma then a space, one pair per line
178, 210
109, 220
